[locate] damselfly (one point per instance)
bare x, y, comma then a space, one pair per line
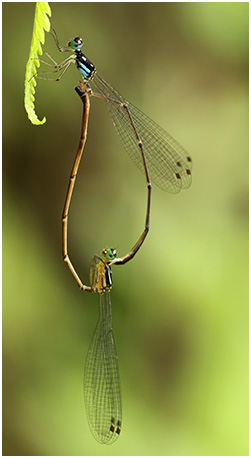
101, 379
158, 155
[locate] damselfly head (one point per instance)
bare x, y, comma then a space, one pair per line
109, 253
76, 43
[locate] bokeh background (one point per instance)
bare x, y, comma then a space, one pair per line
180, 308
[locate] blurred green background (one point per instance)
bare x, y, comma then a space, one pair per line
180, 308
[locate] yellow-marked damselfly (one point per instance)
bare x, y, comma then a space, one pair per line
101, 378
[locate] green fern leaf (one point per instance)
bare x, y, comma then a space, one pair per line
41, 23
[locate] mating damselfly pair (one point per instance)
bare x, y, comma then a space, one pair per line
164, 162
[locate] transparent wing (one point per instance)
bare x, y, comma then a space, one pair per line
168, 163
101, 380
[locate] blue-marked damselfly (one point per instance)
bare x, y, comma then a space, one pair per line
155, 152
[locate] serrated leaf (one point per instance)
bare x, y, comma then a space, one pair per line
41, 24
